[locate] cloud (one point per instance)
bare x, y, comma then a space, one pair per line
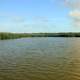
12, 18
40, 19
73, 4
18, 19
74, 14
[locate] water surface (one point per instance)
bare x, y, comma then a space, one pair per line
40, 59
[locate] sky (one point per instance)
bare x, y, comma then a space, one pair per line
28, 16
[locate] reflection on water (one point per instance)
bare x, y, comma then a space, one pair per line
40, 59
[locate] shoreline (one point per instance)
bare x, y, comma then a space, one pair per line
5, 35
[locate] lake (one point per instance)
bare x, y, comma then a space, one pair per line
40, 59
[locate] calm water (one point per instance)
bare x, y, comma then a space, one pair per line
40, 59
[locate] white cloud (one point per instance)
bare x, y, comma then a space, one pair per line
18, 19
74, 6
75, 14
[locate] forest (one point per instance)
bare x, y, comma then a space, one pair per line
5, 35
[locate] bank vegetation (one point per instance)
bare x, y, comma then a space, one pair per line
5, 35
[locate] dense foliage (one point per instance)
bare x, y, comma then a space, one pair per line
13, 35
23, 35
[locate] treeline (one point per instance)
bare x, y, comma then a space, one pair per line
4, 36
55, 34
23, 35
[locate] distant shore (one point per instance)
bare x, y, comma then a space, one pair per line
5, 35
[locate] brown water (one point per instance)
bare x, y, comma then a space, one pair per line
40, 59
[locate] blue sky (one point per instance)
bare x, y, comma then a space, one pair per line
35, 16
